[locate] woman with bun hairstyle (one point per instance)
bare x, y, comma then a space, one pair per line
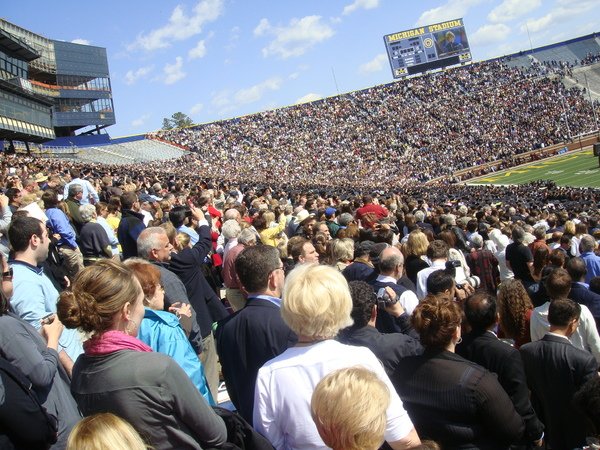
451, 400
120, 374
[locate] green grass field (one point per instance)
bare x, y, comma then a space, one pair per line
578, 168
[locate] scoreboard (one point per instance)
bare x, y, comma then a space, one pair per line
427, 48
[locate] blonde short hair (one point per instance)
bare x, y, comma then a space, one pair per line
105, 430
349, 409
342, 250
417, 243
316, 301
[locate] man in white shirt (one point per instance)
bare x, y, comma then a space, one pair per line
437, 252
558, 285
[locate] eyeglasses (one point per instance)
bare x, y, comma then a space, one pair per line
8, 275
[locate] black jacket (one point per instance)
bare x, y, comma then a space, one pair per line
496, 356
187, 265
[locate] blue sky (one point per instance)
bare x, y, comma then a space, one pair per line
215, 59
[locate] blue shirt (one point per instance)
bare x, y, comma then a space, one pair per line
34, 296
59, 223
191, 233
161, 331
592, 263
274, 300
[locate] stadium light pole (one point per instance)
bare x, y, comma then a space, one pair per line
562, 98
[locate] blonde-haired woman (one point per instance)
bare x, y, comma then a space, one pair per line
316, 305
104, 431
348, 407
342, 253
120, 374
415, 251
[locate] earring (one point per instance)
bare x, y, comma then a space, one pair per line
459, 341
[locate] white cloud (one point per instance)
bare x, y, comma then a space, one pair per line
293, 75
452, 9
140, 121
81, 41
181, 26
255, 93
234, 37
199, 51
512, 9
196, 109
294, 39
132, 76
375, 65
490, 34
309, 98
262, 27
567, 10
174, 72
360, 4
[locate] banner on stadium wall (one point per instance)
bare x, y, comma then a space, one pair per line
426, 48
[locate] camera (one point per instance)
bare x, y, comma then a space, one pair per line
474, 281
384, 299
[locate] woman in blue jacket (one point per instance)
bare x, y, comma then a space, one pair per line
164, 331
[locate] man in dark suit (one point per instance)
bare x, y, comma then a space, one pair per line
390, 348
483, 347
555, 370
579, 289
391, 267
255, 334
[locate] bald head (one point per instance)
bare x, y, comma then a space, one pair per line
391, 262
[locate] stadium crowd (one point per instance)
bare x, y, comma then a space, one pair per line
392, 135
125, 289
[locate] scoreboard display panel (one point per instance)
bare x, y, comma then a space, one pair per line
427, 48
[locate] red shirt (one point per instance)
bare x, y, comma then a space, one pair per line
370, 214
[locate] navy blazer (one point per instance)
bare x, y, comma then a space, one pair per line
504, 360
580, 294
245, 341
555, 370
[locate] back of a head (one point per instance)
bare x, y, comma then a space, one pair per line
437, 249
98, 293
104, 431
576, 268
480, 310
316, 302
342, 249
390, 259
439, 281
558, 284
254, 265
562, 312
518, 234
477, 241
177, 215
21, 229
417, 243
363, 300
128, 199
247, 237
436, 320
349, 409
587, 244
50, 198
231, 229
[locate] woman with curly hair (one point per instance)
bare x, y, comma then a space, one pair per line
515, 308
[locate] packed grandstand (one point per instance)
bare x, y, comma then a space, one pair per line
425, 128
